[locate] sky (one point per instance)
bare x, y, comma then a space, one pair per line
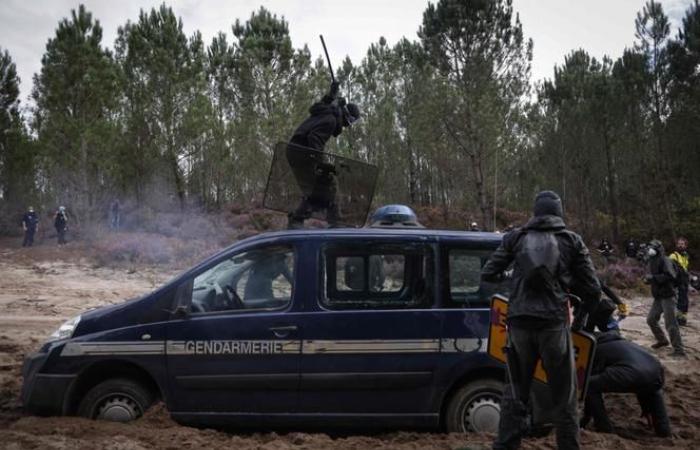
602, 27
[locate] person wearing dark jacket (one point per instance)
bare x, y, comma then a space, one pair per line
661, 277
30, 224
547, 260
61, 224
622, 366
316, 178
602, 316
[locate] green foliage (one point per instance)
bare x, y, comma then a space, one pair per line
169, 122
74, 116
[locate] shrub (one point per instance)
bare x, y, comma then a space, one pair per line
624, 276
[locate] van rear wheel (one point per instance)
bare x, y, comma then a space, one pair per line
475, 407
116, 400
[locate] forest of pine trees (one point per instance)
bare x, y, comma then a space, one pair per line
452, 120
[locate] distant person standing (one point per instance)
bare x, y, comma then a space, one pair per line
60, 222
605, 249
30, 225
114, 215
661, 277
474, 227
682, 262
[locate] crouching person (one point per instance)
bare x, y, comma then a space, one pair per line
622, 366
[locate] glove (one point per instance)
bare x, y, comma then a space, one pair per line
622, 310
335, 88
579, 321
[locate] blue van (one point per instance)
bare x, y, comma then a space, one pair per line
336, 327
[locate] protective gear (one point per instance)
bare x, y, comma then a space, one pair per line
62, 208
351, 114
622, 310
30, 223
651, 252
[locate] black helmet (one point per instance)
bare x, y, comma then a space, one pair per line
351, 114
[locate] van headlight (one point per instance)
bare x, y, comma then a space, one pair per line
66, 330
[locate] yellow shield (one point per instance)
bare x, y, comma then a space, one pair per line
584, 345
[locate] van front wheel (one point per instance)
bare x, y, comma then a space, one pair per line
116, 400
476, 406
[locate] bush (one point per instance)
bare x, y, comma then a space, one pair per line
624, 276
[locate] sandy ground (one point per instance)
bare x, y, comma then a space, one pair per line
41, 287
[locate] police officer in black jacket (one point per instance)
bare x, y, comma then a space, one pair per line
327, 118
30, 224
315, 177
623, 366
547, 259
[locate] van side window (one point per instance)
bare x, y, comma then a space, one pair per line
466, 289
257, 279
377, 277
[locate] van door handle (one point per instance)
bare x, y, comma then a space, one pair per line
284, 330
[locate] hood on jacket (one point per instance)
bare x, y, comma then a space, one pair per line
321, 108
608, 336
548, 203
546, 223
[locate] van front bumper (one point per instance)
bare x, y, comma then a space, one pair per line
43, 393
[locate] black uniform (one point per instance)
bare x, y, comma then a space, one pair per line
60, 223
600, 317
29, 222
326, 120
622, 366
538, 325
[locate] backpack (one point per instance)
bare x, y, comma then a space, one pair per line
538, 260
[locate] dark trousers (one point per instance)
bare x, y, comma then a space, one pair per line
28, 237
650, 399
683, 297
61, 232
667, 307
552, 345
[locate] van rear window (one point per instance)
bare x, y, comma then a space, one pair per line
377, 277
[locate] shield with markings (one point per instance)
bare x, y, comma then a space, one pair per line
584, 345
322, 185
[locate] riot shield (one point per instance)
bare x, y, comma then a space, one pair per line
309, 183
584, 348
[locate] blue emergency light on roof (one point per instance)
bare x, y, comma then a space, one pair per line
391, 216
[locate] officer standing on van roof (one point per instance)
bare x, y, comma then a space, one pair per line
328, 118
547, 259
